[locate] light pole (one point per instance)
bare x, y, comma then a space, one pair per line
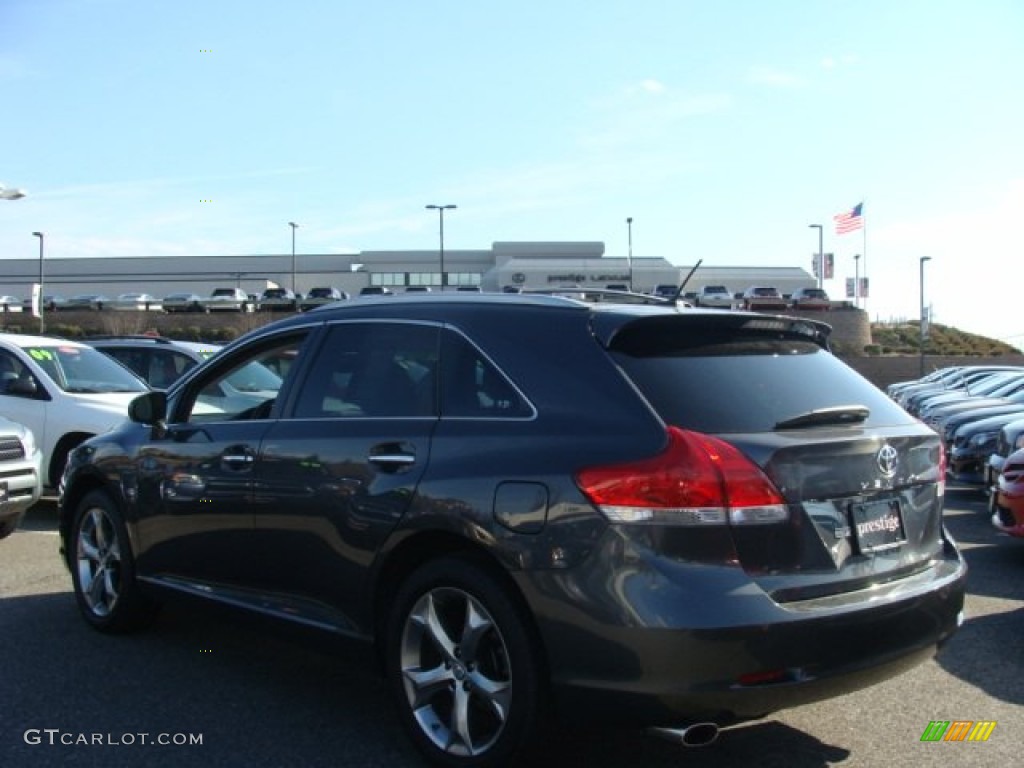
629, 228
856, 280
821, 253
440, 212
42, 298
923, 322
294, 226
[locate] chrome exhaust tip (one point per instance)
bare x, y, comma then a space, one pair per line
695, 735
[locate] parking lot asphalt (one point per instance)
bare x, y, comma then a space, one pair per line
256, 694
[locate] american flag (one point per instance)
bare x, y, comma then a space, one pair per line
849, 221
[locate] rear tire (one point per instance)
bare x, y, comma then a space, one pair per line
463, 667
103, 568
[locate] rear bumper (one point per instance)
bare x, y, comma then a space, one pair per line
662, 644
23, 490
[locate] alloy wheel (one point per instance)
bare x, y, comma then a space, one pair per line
456, 672
98, 559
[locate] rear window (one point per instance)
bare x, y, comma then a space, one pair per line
746, 383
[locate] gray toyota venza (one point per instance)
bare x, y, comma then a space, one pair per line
533, 507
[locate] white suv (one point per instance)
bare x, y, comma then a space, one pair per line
64, 392
21, 483
714, 296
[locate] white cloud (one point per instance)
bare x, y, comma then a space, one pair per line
846, 60
652, 86
774, 78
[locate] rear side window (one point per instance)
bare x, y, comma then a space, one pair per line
743, 382
473, 387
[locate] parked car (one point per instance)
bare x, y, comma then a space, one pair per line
156, 360
970, 376
90, 301
1008, 497
993, 386
1010, 439
21, 470
64, 392
947, 419
136, 302
972, 445
278, 300
320, 296
641, 536
714, 296
666, 290
761, 297
51, 303
228, 300
936, 376
160, 362
375, 290
418, 289
810, 298
183, 302
10, 304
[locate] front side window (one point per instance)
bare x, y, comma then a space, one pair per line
244, 385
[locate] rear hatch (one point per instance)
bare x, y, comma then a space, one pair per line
860, 480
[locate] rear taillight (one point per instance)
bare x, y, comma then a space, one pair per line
698, 480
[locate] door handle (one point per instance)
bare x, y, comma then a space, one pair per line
238, 458
392, 456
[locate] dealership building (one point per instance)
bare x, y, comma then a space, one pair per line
525, 265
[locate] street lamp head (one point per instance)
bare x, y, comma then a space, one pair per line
37, 234
441, 207
925, 258
629, 219
292, 224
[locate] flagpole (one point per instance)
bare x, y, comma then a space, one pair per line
864, 253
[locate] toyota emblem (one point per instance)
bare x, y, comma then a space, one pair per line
887, 460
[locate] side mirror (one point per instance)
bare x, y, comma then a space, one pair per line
24, 386
149, 409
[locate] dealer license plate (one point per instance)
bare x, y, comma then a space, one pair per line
878, 525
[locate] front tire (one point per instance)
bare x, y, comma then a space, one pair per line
103, 569
463, 667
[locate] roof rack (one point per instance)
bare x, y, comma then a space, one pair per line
607, 295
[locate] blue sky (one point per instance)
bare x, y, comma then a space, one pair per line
723, 129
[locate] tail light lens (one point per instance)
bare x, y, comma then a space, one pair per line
698, 480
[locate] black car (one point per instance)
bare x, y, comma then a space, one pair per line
277, 300
534, 506
321, 295
972, 446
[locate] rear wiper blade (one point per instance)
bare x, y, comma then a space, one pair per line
837, 414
